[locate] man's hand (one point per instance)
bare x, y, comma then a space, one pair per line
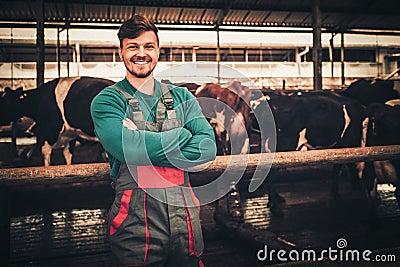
129, 124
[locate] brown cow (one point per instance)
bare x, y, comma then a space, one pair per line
229, 114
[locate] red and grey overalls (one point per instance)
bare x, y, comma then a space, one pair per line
154, 219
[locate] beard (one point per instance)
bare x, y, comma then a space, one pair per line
142, 73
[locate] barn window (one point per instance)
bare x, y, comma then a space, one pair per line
175, 54
206, 54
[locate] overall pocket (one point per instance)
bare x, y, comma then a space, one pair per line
128, 229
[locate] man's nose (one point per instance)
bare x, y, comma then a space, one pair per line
141, 51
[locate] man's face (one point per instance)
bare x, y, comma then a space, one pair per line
140, 55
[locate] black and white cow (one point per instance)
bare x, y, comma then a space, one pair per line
311, 120
371, 91
383, 128
380, 127
314, 120
60, 108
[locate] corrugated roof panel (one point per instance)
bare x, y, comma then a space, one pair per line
307, 21
17, 10
191, 15
150, 12
235, 17
277, 17
118, 13
210, 16
168, 15
115, 12
29, 11
332, 18
96, 12
295, 18
54, 11
77, 12
256, 17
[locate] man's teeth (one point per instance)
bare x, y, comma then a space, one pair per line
140, 62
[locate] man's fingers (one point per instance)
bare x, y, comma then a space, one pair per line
129, 124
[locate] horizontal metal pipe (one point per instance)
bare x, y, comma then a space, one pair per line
98, 173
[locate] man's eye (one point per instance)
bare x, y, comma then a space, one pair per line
149, 46
132, 47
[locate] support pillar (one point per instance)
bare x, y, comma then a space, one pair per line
342, 58
317, 50
39, 43
218, 56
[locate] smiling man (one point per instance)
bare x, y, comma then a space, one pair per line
152, 132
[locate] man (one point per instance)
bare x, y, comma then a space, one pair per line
152, 132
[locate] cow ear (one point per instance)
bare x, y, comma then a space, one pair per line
6, 90
3, 92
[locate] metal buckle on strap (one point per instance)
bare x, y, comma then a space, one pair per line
168, 102
134, 104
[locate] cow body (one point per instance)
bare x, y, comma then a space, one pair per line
229, 115
318, 120
368, 92
311, 120
380, 127
60, 108
383, 128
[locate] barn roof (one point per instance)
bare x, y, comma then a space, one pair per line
336, 15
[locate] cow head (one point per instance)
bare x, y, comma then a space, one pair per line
263, 122
9, 100
384, 124
288, 112
283, 127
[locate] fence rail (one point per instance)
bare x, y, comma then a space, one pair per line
87, 174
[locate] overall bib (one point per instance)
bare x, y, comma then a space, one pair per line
154, 219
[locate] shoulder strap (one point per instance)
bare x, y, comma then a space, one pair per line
167, 105
127, 96
166, 97
168, 101
133, 103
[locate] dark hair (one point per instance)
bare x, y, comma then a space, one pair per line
134, 27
